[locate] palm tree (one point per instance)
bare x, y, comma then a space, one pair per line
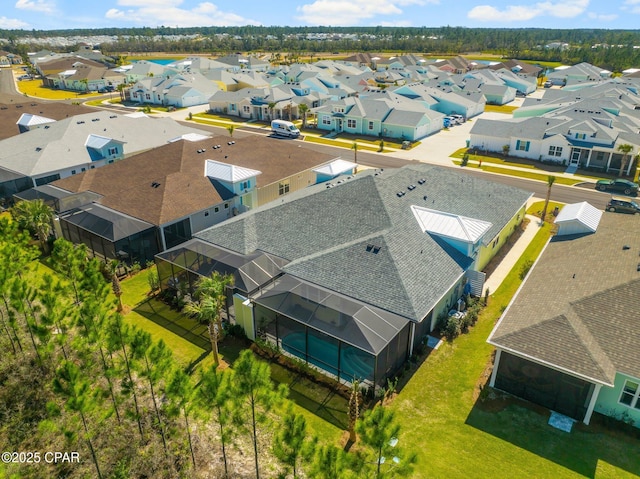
303, 109
211, 294
37, 217
625, 149
271, 106
550, 181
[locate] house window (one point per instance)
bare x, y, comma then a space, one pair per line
351, 123
83, 169
630, 393
113, 150
110, 161
216, 209
226, 206
147, 96
206, 213
326, 120
581, 136
73, 172
245, 185
555, 151
522, 145
371, 125
283, 188
232, 107
246, 109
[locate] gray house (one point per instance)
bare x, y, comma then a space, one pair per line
350, 276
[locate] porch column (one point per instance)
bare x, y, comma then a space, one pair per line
494, 373
608, 162
592, 404
411, 337
588, 158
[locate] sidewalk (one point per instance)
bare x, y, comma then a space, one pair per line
498, 275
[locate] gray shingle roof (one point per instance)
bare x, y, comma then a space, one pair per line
325, 233
577, 314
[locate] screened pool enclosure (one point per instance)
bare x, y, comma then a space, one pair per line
343, 337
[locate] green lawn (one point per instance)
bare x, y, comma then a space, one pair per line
457, 436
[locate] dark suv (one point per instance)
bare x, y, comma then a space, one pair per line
623, 205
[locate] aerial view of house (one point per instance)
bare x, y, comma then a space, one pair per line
72, 145
567, 340
311, 264
131, 210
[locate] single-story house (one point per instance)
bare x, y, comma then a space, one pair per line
568, 339
157, 199
351, 275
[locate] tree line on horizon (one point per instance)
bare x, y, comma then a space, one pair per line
614, 50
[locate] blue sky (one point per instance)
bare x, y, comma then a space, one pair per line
55, 14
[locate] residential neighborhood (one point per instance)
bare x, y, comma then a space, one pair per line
435, 277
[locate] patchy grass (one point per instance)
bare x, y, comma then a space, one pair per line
500, 108
532, 176
34, 88
535, 209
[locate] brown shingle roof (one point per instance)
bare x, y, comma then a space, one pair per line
10, 112
578, 309
179, 169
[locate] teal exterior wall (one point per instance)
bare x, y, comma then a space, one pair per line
485, 253
609, 404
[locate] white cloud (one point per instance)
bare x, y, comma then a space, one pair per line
166, 12
603, 17
43, 6
521, 13
12, 23
352, 12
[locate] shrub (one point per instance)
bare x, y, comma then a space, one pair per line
153, 280
236, 331
465, 160
452, 328
525, 268
135, 267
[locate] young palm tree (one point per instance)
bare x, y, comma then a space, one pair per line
550, 181
211, 294
35, 216
625, 149
271, 106
303, 109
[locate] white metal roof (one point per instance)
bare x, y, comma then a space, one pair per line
97, 141
28, 119
226, 172
584, 213
448, 225
189, 137
336, 167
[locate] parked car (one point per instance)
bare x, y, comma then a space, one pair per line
623, 205
520, 94
449, 121
620, 185
459, 119
548, 84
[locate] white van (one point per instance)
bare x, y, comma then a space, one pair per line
284, 128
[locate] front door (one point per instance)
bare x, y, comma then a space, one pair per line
575, 157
